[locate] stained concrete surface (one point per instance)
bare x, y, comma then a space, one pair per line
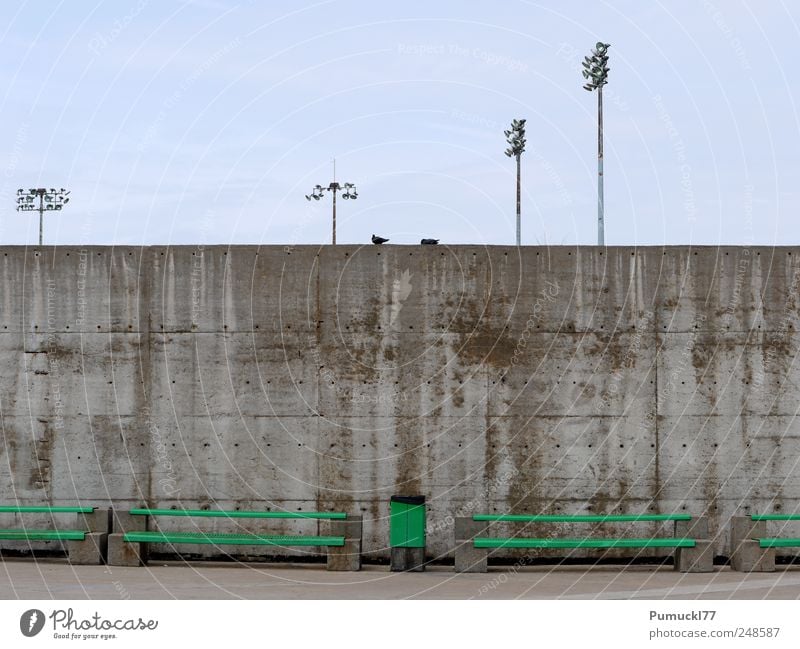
490, 379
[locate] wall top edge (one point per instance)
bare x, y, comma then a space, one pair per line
388, 247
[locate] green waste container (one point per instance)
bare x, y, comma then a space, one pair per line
407, 521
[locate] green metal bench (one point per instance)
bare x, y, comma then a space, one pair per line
776, 542
752, 550
693, 552
129, 544
86, 545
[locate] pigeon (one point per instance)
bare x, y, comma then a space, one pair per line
429, 242
378, 240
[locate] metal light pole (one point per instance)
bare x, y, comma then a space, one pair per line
596, 72
348, 191
515, 137
49, 200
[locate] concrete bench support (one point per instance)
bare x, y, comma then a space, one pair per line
699, 558
746, 554
348, 556
467, 557
122, 553
92, 550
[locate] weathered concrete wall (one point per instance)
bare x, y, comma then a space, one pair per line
489, 379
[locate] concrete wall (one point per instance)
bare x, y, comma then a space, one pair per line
489, 379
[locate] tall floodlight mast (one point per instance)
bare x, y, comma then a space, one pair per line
595, 71
515, 137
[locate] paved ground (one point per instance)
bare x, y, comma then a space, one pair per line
45, 579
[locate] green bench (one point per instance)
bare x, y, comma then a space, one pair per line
85, 540
473, 541
752, 549
128, 544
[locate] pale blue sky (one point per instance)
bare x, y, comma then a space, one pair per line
206, 122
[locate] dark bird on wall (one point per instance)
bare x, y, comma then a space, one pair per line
378, 240
429, 242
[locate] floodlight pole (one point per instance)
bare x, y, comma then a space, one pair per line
515, 136
519, 202
600, 204
55, 199
41, 217
334, 188
349, 190
595, 71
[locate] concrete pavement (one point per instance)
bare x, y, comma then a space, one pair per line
55, 579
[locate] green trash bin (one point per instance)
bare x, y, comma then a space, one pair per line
407, 517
